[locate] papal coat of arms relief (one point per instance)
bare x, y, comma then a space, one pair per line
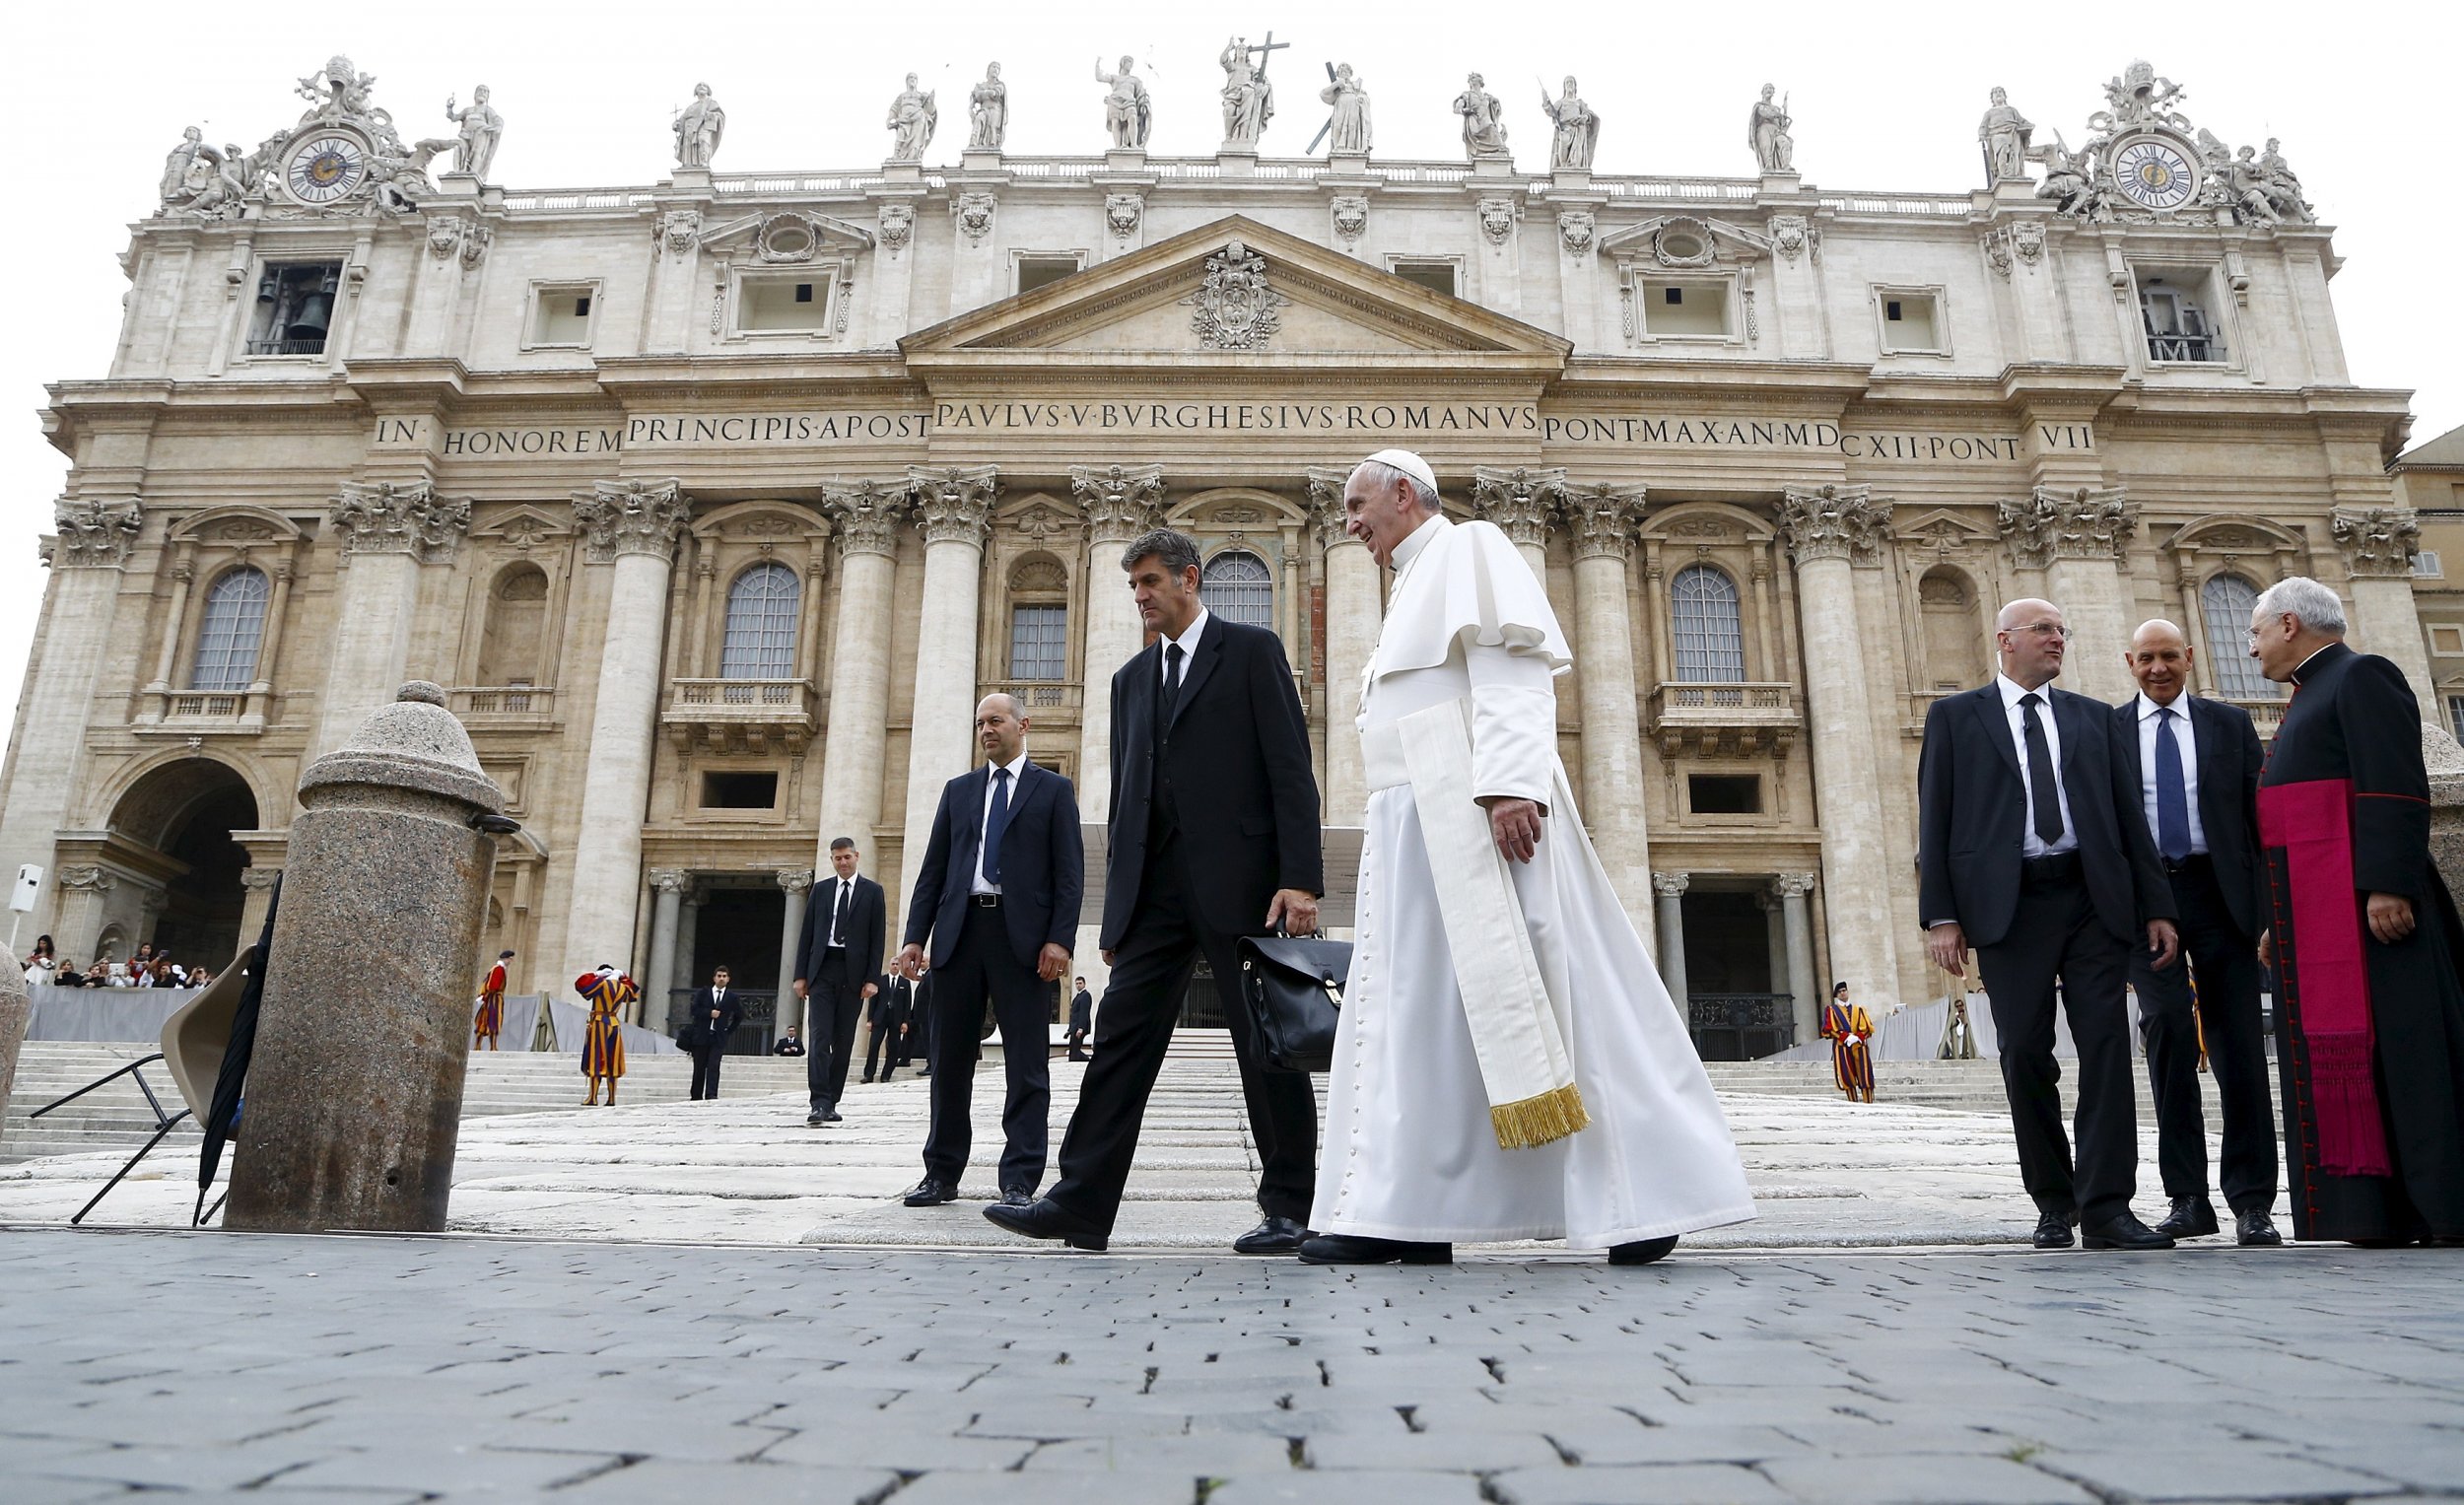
1235, 308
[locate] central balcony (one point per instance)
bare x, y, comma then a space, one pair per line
741, 714
1725, 720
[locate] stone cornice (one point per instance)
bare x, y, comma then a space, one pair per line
2377, 541
618, 517
1518, 501
1834, 522
1120, 502
955, 504
391, 518
1604, 517
92, 533
2084, 523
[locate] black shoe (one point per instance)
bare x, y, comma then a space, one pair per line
931, 1192
1081, 1057
2053, 1231
1277, 1235
2192, 1217
1642, 1252
1345, 1249
2256, 1230
1017, 1196
868, 1081
815, 1120
1047, 1219
832, 1116
2123, 1231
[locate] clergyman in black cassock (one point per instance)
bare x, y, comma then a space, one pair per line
2373, 1075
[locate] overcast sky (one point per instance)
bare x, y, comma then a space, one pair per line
1884, 97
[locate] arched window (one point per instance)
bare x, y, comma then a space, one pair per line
2226, 602
1710, 643
762, 613
511, 642
234, 625
1239, 588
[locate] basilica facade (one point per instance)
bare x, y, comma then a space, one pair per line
716, 503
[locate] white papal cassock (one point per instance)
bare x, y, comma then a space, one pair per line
1409, 1148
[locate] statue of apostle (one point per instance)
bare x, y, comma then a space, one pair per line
1483, 131
175, 186
1767, 131
988, 111
1248, 96
1349, 127
1126, 111
1578, 130
913, 119
697, 127
2004, 134
481, 129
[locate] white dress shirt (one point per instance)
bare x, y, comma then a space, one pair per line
1189, 645
2017, 715
1017, 768
848, 884
2188, 741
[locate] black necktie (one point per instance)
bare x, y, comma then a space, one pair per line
1169, 701
838, 913
2041, 790
996, 821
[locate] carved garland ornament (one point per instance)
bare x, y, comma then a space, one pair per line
1123, 211
631, 518
1120, 501
2378, 541
1834, 522
1349, 214
387, 519
1576, 227
94, 533
898, 225
678, 229
1236, 309
1497, 217
975, 216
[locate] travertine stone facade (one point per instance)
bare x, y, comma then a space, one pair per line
716, 502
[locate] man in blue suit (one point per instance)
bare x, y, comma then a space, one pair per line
997, 895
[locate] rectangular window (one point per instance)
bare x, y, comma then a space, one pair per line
1725, 793
740, 790
1436, 276
1038, 641
2177, 306
562, 316
2446, 642
1685, 309
1042, 271
1911, 321
295, 307
793, 305
2426, 564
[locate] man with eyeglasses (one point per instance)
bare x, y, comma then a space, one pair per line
2032, 847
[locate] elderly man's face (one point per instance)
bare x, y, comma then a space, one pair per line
1380, 512
2159, 661
2276, 642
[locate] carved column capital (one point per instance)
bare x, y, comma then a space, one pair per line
2376, 540
2084, 523
260, 877
795, 880
1671, 885
406, 517
1518, 501
93, 533
865, 515
631, 518
1834, 522
87, 879
1326, 504
1603, 517
1792, 885
670, 880
1120, 501
955, 504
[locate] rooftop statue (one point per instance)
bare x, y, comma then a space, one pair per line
1127, 114
1248, 93
2066, 182
1767, 131
2283, 189
1483, 128
988, 111
2138, 98
481, 129
913, 119
1350, 126
176, 166
1578, 130
2004, 134
699, 127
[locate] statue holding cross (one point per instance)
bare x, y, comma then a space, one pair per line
1248, 95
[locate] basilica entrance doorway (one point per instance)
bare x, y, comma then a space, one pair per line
737, 928
173, 829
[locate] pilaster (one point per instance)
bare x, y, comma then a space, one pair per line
954, 514
865, 515
2378, 545
1119, 503
1602, 520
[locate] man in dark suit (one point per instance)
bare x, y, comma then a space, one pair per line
997, 895
891, 1011
2198, 763
1215, 836
837, 968
715, 1014
1081, 1019
2032, 847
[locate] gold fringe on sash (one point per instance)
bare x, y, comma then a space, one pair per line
1536, 1120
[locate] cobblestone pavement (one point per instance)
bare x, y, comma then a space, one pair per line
369, 1369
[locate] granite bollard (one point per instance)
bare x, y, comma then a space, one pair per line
355, 1093
15, 1008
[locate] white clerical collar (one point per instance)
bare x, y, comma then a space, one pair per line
1410, 549
2314, 658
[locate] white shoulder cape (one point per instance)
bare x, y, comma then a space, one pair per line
1471, 584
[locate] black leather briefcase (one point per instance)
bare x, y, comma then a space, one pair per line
1293, 990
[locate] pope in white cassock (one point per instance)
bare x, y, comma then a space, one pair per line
1508, 1065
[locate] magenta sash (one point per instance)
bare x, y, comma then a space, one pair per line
2313, 822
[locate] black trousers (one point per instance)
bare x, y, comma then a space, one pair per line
1134, 1028
833, 1002
2056, 935
2227, 965
706, 1059
986, 970
886, 1050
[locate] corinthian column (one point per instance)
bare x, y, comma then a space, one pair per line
2078, 537
2378, 544
954, 511
1120, 502
1669, 888
388, 530
1519, 501
1604, 519
1354, 611
87, 557
632, 526
1829, 532
797, 883
865, 517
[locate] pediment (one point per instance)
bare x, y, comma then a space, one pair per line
1943, 527
789, 238
523, 526
1682, 240
1235, 292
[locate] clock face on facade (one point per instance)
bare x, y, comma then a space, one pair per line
2155, 174
325, 167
